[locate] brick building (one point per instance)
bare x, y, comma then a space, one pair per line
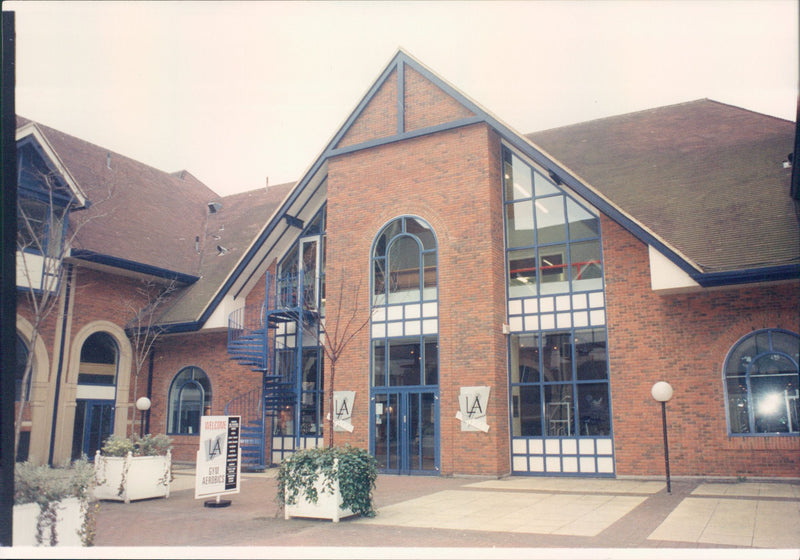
490, 302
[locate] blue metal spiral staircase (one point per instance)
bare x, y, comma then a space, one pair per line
250, 344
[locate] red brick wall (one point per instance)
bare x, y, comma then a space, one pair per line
684, 339
448, 179
379, 117
207, 351
100, 296
427, 105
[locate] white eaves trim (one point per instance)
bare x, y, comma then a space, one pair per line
219, 317
666, 277
30, 129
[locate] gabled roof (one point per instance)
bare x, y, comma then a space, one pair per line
28, 133
651, 193
139, 216
146, 221
231, 228
706, 178
701, 182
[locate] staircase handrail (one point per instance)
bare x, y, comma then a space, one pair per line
247, 406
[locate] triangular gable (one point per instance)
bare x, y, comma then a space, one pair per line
402, 101
30, 134
387, 114
409, 100
406, 101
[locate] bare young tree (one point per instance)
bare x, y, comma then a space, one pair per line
143, 329
46, 234
334, 333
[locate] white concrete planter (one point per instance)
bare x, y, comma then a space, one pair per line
69, 521
132, 478
328, 505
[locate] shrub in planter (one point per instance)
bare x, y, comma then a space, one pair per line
52, 506
312, 475
134, 469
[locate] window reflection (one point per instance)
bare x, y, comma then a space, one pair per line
552, 241
761, 381
570, 396
406, 361
404, 268
189, 399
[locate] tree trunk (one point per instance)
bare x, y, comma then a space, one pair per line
330, 405
25, 396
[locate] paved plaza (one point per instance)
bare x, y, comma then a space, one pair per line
455, 517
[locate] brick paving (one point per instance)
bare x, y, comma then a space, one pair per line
255, 520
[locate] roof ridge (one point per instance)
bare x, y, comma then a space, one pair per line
46, 129
653, 110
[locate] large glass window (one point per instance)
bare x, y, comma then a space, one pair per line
559, 384
404, 263
40, 226
308, 254
407, 361
761, 383
189, 399
553, 242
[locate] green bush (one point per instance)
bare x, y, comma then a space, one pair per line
47, 487
42, 484
354, 468
116, 446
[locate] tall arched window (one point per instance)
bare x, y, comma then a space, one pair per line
189, 399
404, 263
98, 360
761, 382
22, 360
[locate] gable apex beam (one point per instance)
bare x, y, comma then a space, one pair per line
405, 136
401, 96
362, 104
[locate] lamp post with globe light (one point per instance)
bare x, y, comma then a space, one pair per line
662, 392
142, 405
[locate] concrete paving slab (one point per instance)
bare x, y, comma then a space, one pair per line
589, 485
733, 522
514, 515
484, 510
749, 489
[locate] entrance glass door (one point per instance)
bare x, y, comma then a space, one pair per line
94, 422
406, 431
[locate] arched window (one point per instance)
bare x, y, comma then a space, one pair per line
22, 360
761, 383
98, 360
189, 399
404, 263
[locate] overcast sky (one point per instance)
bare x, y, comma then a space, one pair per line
236, 92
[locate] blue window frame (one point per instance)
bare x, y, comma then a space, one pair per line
761, 383
299, 358
404, 383
404, 268
552, 242
559, 392
43, 206
559, 384
189, 399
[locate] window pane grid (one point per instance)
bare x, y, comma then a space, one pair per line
761, 384
552, 242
